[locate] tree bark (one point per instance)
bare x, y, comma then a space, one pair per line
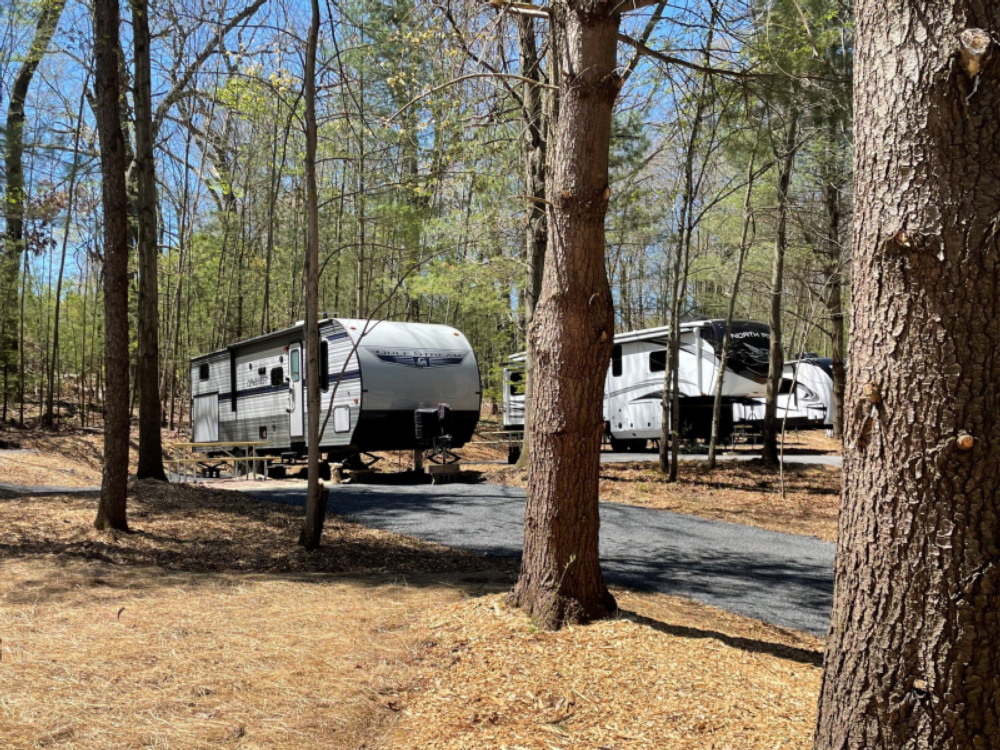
107, 89
913, 655
573, 332
148, 361
533, 150
312, 529
776, 361
14, 196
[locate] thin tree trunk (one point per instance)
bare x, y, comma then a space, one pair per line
776, 360
148, 357
573, 333
670, 425
84, 381
14, 195
533, 153
913, 655
720, 374
834, 299
111, 512
21, 349
312, 529
49, 419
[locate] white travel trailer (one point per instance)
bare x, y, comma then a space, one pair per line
809, 405
633, 389
394, 386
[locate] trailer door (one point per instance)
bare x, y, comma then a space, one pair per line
296, 401
205, 418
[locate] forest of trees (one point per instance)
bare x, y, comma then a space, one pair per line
193, 173
428, 120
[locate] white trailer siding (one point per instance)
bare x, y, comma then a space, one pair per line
375, 374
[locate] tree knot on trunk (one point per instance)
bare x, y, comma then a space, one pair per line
974, 50
907, 242
585, 202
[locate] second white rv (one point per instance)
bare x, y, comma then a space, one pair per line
633, 390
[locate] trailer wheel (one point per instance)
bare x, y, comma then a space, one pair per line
324, 471
513, 454
617, 445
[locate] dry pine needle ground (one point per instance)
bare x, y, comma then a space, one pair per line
209, 627
667, 674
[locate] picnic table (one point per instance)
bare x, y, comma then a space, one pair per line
211, 466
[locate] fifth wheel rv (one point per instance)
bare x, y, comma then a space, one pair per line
809, 404
633, 390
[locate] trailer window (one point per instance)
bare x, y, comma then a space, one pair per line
203, 371
294, 362
658, 361
277, 376
516, 384
324, 364
616, 361
786, 385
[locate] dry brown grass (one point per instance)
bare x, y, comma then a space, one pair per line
668, 673
740, 492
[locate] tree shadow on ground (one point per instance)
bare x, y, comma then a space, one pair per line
750, 645
192, 536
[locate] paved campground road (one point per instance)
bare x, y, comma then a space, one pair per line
794, 458
783, 579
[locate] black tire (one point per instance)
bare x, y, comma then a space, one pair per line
513, 454
324, 471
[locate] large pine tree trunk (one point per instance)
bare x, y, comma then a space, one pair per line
148, 361
573, 331
913, 657
107, 89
